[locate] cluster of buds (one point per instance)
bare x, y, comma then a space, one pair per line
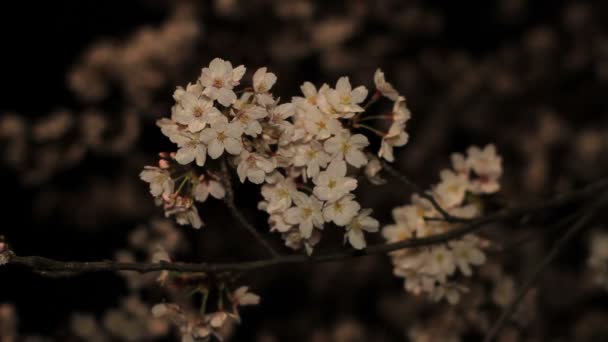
432, 269
176, 188
198, 323
303, 153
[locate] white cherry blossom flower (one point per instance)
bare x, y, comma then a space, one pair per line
191, 148
185, 213
249, 116
440, 262
219, 79
160, 180
254, 167
385, 88
362, 222
332, 184
306, 214
222, 135
194, 111
205, 187
372, 172
452, 188
280, 113
242, 296
263, 81
310, 94
487, 165
396, 135
467, 253
346, 100
279, 195
277, 223
342, 211
349, 147
319, 124
312, 156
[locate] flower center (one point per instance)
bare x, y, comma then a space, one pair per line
218, 83
331, 184
198, 111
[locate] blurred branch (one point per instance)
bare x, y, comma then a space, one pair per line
583, 220
48, 265
417, 189
238, 215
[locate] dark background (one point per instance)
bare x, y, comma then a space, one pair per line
529, 76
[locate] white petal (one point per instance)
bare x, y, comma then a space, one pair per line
215, 149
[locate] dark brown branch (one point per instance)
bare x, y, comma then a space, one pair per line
541, 266
417, 189
49, 265
238, 215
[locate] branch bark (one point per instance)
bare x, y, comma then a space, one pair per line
41, 264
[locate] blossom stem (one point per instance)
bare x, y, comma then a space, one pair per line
369, 128
374, 117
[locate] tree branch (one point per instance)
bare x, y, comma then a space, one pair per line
48, 265
238, 215
541, 266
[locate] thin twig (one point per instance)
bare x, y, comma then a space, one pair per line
417, 189
49, 265
238, 215
540, 267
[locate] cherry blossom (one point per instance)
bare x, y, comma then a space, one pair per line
342, 211
222, 135
332, 184
361, 223
219, 79
346, 100
348, 147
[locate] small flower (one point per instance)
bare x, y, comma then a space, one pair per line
254, 167
191, 148
359, 224
279, 195
222, 135
205, 187
307, 214
319, 124
312, 156
348, 147
185, 213
452, 188
263, 81
372, 172
487, 165
346, 100
194, 111
219, 79
385, 88
396, 135
342, 211
159, 179
466, 253
440, 262
249, 116
332, 184
242, 297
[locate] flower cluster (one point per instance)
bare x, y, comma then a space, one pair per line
195, 325
304, 153
431, 269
